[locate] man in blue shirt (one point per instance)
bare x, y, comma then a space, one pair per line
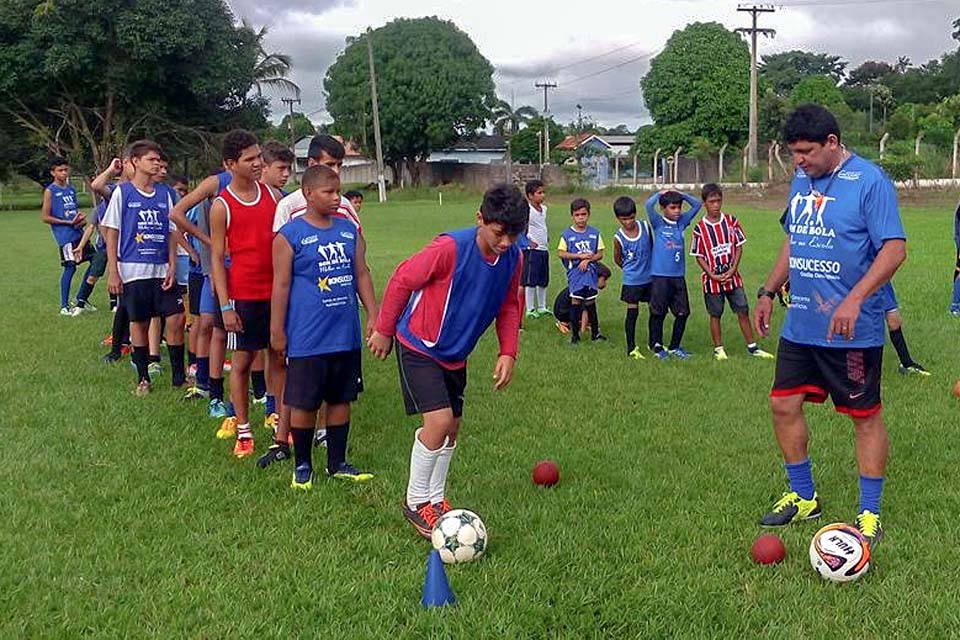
844, 241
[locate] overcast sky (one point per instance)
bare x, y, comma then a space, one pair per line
596, 51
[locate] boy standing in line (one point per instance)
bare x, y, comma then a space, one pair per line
716, 244
580, 249
668, 287
632, 247
318, 271
438, 303
536, 255
59, 210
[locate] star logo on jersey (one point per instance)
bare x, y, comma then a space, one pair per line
323, 283
138, 238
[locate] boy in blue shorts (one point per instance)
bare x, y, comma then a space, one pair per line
668, 286
580, 249
320, 269
438, 303
632, 248
59, 210
891, 310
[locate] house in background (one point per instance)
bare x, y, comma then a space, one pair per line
603, 158
479, 149
353, 158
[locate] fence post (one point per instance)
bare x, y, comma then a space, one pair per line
676, 164
656, 159
883, 144
720, 164
635, 169
916, 152
956, 145
743, 176
770, 152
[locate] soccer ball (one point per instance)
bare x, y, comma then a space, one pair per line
839, 553
459, 536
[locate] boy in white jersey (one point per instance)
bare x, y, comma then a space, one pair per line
536, 256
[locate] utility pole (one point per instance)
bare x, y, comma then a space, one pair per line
381, 185
546, 86
576, 142
754, 10
290, 102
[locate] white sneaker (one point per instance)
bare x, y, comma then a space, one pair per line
719, 353
66, 311
87, 307
760, 353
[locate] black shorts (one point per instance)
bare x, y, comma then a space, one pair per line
736, 297
255, 320
427, 386
146, 299
98, 264
851, 377
669, 293
536, 268
194, 287
334, 378
635, 293
68, 253
585, 294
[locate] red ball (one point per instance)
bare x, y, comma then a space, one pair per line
768, 549
546, 473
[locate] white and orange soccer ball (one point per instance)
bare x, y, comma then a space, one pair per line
840, 553
459, 536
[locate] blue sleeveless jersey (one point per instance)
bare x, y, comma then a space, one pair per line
63, 206
322, 313
144, 226
476, 294
635, 254
586, 241
193, 215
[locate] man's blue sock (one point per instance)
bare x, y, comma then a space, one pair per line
956, 291
871, 489
65, 280
203, 372
230, 412
801, 478
271, 404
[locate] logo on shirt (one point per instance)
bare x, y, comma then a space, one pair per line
807, 217
721, 250
849, 175
149, 218
583, 246
825, 306
332, 254
347, 235
325, 283
309, 240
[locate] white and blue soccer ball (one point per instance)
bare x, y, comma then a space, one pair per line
459, 536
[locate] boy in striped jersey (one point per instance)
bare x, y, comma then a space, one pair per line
717, 245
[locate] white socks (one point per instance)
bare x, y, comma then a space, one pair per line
541, 298
244, 432
438, 481
530, 298
422, 464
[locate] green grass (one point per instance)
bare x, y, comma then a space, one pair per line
124, 517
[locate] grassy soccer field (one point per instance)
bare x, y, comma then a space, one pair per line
125, 517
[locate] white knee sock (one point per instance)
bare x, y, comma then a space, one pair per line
541, 297
422, 463
438, 481
529, 296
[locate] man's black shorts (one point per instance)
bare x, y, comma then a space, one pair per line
255, 320
145, 299
635, 293
536, 268
736, 297
194, 288
585, 294
851, 377
426, 385
669, 293
334, 378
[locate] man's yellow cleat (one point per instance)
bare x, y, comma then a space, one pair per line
636, 354
271, 421
228, 428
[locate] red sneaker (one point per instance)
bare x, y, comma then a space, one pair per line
243, 448
422, 518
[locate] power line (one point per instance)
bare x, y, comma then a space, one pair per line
579, 62
611, 68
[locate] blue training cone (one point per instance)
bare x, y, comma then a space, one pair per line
436, 589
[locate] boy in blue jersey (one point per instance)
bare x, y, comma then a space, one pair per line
580, 249
561, 304
632, 248
844, 242
891, 313
319, 271
668, 267
438, 303
59, 210
142, 256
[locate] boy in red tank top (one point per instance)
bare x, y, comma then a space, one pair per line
241, 221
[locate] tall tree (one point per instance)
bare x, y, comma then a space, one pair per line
698, 85
507, 121
869, 72
102, 73
785, 70
272, 69
433, 86
820, 90
524, 147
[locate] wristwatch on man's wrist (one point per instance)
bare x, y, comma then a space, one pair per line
763, 292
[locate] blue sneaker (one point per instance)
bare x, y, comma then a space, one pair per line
661, 354
347, 471
681, 353
955, 310
217, 409
302, 477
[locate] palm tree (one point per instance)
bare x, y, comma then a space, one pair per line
272, 69
506, 121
